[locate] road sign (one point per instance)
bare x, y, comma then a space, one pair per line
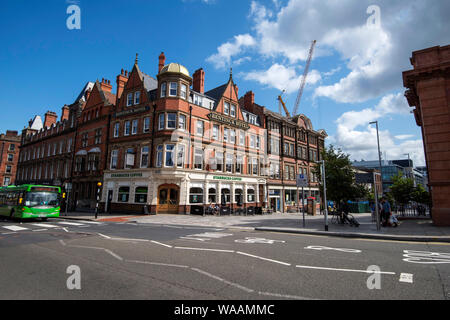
302, 181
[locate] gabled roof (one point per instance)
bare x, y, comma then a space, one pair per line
37, 123
81, 96
217, 93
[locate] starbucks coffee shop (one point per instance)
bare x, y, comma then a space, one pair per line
180, 192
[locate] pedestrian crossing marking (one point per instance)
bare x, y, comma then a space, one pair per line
44, 225
71, 223
15, 228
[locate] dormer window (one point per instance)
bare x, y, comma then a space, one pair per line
173, 89
137, 97
226, 108
129, 99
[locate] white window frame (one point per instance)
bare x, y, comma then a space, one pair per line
137, 97
129, 99
146, 126
134, 127
163, 89
170, 89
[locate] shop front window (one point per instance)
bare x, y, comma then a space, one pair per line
124, 194
196, 195
251, 195
141, 195
212, 197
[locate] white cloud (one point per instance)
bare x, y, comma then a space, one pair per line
282, 78
226, 51
358, 138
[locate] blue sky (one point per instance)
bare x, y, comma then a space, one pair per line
355, 75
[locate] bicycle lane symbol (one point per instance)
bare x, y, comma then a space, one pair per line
258, 240
425, 257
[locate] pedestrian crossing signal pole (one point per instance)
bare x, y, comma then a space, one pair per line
99, 186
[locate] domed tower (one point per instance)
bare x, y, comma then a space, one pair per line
174, 81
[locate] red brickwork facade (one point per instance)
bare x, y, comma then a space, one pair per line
429, 92
9, 156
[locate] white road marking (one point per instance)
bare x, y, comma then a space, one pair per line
425, 257
258, 240
197, 239
215, 235
335, 249
71, 223
161, 244
223, 280
44, 225
345, 270
92, 222
158, 264
406, 277
262, 258
204, 249
37, 230
102, 235
15, 228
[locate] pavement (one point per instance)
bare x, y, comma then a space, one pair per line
418, 230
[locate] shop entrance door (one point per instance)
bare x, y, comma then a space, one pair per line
168, 199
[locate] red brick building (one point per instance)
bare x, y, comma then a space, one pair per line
9, 156
47, 148
429, 92
91, 144
164, 144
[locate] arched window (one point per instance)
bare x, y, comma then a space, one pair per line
212, 195
196, 195
250, 195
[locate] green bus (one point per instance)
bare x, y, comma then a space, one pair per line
30, 201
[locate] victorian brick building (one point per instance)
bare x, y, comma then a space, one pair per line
165, 144
429, 92
9, 156
47, 148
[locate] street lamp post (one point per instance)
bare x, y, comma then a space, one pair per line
322, 162
381, 172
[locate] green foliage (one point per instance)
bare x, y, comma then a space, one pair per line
420, 195
340, 176
402, 189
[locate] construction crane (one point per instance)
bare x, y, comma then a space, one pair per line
305, 75
281, 103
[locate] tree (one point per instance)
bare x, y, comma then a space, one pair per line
340, 176
402, 189
420, 195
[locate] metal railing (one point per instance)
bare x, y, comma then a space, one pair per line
411, 210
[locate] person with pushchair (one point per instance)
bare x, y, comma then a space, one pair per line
345, 215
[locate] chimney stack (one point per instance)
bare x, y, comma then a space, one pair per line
198, 83
50, 119
121, 81
65, 113
162, 62
249, 101
105, 85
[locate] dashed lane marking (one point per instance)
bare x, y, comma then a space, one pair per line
344, 270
